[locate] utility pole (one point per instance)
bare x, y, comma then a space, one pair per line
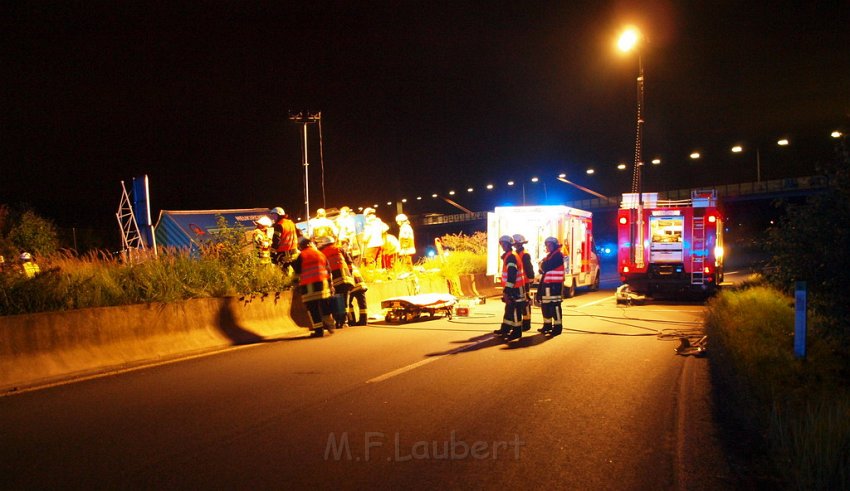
305, 118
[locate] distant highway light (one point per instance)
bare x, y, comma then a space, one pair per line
836, 134
590, 171
737, 149
783, 142
656, 161
621, 166
695, 155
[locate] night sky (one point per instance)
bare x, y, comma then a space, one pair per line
416, 98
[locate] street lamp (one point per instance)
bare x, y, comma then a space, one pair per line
305, 118
629, 41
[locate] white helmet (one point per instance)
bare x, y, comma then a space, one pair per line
368, 211
321, 213
519, 239
277, 211
264, 222
401, 217
552, 241
506, 239
324, 240
26, 256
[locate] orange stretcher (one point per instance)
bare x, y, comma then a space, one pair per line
412, 307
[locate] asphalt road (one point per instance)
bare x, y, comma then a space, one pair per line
433, 404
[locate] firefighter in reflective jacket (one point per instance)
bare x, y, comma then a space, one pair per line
263, 239
314, 279
528, 267
358, 293
341, 277
514, 291
551, 286
284, 239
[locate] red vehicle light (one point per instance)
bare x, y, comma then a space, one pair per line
624, 220
712, 219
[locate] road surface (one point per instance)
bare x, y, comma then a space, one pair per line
433, 404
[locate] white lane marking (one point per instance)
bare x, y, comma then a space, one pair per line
399, 371
588, 304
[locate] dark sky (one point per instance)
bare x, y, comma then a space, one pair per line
416, 98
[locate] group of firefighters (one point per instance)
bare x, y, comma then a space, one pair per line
326, 260
517, 278
327, 256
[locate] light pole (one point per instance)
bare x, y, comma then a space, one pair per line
304, 118
629, 40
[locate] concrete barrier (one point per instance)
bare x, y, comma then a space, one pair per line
36, 349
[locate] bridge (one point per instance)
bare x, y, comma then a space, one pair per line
762, 190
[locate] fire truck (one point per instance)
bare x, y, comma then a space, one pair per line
572, 227
669, 247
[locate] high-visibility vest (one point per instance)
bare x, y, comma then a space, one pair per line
555, 275
339, 267
264, 245
314, 278
521, 280
285, 236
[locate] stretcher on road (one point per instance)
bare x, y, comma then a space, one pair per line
412, 307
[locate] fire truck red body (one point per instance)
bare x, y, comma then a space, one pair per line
682, 244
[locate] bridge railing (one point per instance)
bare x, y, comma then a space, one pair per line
730, 192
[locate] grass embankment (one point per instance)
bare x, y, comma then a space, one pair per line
801, 408
95, 280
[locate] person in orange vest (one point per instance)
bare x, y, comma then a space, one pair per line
513, 291
262, 238
284, 239
528, 267
551, 287
407, 247
314, 280
341, 277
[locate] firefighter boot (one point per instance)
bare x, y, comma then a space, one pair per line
328, 323
546, 329
515, 333
556, 330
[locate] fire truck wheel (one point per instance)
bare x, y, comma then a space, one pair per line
595, 285
571, 291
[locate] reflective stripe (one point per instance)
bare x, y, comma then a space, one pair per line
554, 276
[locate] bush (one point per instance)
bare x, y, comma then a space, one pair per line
225, 267
802, 405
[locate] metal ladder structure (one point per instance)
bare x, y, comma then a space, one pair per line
131, 238
698, 252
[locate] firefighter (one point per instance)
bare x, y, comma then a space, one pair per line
322, 226
373, 238
528, 267
314, 280
347, 226
284, 240
551, 286
262, 239
389, 252
513, 293
407, 247
28, 266
341, 277
358, 293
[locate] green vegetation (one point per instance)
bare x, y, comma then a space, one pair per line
227, 265
24, 230
803, 406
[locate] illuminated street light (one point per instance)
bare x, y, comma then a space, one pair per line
534, 179
434, 195
404, 200
621, 166
419, 198
836, 134
510, 183
590, 171
468, 190
656, 161
695, 155
629, 41
489, 186
737, 149
562, 175
451, 193
782, 142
